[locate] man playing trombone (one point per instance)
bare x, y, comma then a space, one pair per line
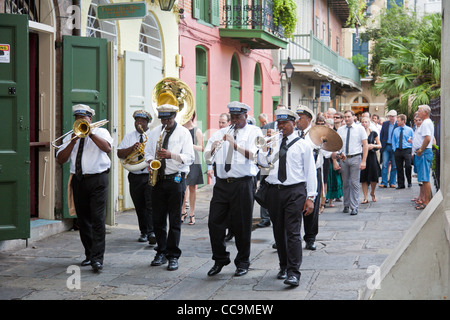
140, 189
89, 166
292, 184
232, 149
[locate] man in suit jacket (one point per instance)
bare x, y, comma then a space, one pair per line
387, 152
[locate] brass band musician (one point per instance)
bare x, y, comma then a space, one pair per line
233, 193
89, 166
171, 144
292, 189
140, 189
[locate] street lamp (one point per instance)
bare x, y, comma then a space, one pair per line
166, 5
289, 70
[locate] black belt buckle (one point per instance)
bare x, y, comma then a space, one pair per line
231, 180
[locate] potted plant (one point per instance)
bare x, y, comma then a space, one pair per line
285, 14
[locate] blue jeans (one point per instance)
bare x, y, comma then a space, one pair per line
388, 156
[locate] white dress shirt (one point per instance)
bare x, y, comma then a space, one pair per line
300, 165
357, 135
93, 160
180, 142
129, 140
240, 165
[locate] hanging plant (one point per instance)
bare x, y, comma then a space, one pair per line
356, 10
285, 13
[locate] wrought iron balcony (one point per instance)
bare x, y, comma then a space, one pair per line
253, 25
306, 50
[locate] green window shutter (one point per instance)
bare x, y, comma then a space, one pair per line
196, 9
215, 19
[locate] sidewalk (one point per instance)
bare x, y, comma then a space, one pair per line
348, 250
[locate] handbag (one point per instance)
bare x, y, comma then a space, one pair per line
261, 193
263, 189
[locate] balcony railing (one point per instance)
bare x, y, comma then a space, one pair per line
307, 49
253, 24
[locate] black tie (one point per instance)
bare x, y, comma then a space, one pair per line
78, 170
229, 156
164, 146
141, 140
282, 161
347, 142
400, 143
302, 135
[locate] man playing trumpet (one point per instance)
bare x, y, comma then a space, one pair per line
89, 166
140, 189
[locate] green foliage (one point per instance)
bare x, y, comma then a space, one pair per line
361, 63
406, 58
285, 13
356, 12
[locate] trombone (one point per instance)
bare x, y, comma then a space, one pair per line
81, 128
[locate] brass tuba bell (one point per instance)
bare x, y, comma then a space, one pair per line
176, 92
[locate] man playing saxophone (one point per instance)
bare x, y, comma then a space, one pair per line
89, 165
140, 190
176, 154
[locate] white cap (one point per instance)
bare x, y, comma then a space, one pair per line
83, 110
237, 107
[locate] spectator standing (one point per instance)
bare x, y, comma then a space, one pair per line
386, 151
402, 151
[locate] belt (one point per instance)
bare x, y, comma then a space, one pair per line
94, 174
171, 176
232, 180
282, 186
353, 155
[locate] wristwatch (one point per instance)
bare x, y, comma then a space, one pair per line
311, 198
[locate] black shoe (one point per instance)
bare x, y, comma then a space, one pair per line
274, 246
85, 262
229, 236
96, 266
215, 269
263, 224
292, 281
159, 260
346, 210
409, 185
151, 238
143, 238
310, 245
354, 212
173, 264
282, 274
240, 272
400, 188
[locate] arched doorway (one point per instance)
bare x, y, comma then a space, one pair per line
360, 105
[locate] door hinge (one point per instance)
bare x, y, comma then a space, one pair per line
12, 90
58, 44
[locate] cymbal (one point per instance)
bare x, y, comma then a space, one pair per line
326, 138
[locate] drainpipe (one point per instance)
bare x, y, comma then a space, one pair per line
76, 31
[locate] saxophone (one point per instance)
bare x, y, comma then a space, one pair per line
155, 164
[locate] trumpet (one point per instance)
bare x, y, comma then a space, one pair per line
81, 128
268, 141
219, 146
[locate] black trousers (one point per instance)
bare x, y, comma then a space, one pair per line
167, 200
141, 194
403, 162
90, 197
283, 206
311, 221
231, 202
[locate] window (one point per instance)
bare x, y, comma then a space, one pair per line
337, 45
360, 47
100, 29
391, 3
208, 11
150, 37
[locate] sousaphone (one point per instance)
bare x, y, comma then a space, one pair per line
326, 138
176, 92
